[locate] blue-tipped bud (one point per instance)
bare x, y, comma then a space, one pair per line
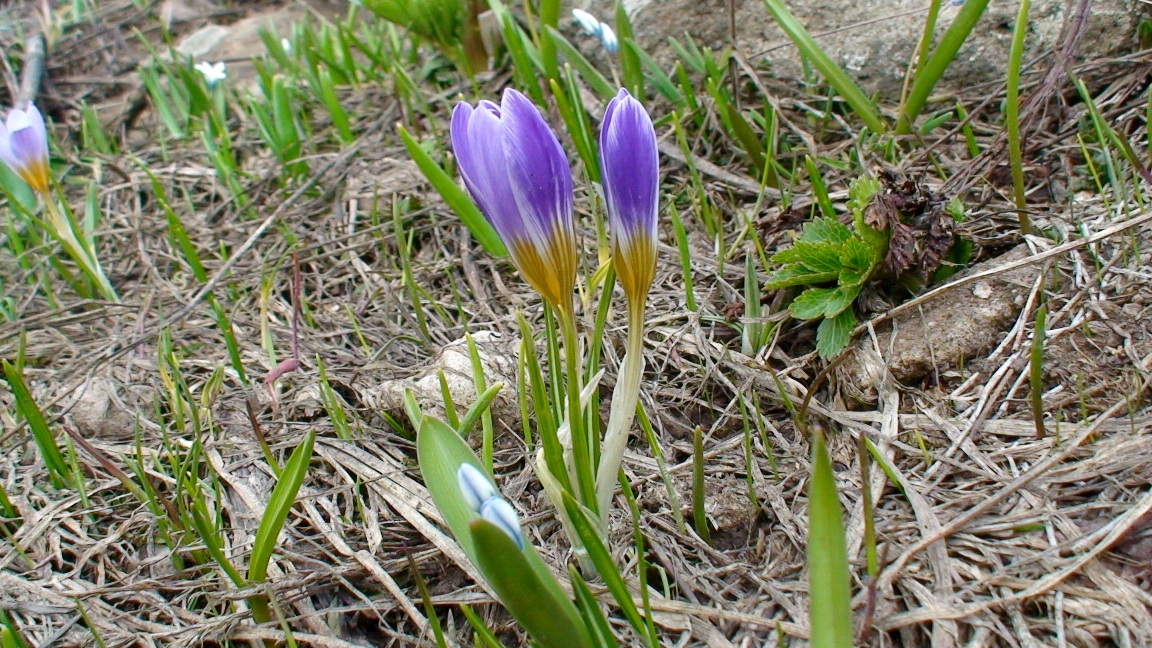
608, 39
24, 146
593, 27
517, 173
499, 512
589, 23
631, 175
475, 486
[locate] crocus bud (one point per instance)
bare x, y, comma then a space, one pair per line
499, 512
631, 176
517, 173
24, 146
475, 486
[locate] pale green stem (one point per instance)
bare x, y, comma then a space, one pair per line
582, 457
555, 493
77, 247
624, 398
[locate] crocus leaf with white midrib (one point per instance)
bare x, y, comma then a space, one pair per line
517, 172
630, 165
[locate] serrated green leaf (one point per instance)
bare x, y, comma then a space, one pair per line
853, 276
825, 230
840, 299
834, 333
797, 275
811, 303
819, 257
860, 193
553, 622
785, 256
857, 255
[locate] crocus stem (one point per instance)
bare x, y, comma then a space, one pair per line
624, 398
65, 231
555, 492
582, 456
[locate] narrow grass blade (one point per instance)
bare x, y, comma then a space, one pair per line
483, 632
456, 197
426, 598
1036, 373
629, 60
829, 579
833, 73
589, 531
476, 412
590, 610
699, 515
598, 82
929, 75
1012, 116
45, 441
283, 497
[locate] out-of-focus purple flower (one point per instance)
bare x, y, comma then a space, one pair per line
631, 176
499, 512
24, 146
517, 172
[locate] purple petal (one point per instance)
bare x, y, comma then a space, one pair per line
477, 136
631, 168
6, 149
27, 136
539, 172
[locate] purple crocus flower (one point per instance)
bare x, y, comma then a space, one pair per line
517, 172
631, 177
24, 146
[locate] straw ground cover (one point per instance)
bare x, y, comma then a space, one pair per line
281, 264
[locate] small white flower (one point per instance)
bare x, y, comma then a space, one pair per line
475, 486
587, 21
501, 513
286, 45
213, 72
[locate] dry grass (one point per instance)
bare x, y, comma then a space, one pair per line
988, 536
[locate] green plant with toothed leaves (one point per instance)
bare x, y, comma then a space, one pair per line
899, 231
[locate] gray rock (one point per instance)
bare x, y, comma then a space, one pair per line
873, 39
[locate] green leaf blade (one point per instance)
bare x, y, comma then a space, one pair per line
834, 333
454, 196
829, 580
551, 620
